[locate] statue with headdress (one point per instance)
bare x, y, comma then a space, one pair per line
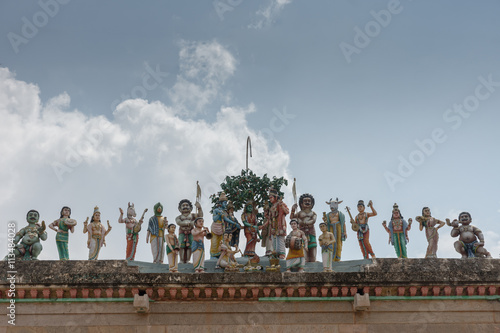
277, 214
249, 219
360, 225
156, 234
217, 228
132, 229
398, 231
97, 233
335, 223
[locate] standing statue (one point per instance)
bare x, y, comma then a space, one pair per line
97, 234
296, 241
306, 219
249, 219
327, 242
277, 214
132, 228
61, 226
335, 223
156, 233
361, 226
185, 221
266, 230
431, 226
232, 226
218, 226
199, 232
173, 247
29, 237
398, 231
468, 245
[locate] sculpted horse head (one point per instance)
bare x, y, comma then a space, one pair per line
131, 211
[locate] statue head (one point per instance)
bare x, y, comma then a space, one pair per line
230, 207
198, 222
65, 212
96, 215
131, 211
171, 228
294, 224
334, 205
249, 206
396, 213
361, 206
426, 212
323, 227
32, 216
273, 195
306, 201
158, 209
465, 218
185, 206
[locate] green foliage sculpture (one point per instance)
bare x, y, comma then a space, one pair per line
249, 187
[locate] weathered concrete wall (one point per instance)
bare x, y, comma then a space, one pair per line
410, 295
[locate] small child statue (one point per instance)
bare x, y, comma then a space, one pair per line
326, 241
172, 249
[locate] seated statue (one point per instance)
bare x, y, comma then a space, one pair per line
29, 238
468, 245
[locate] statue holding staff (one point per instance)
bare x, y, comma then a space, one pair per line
360, 225
62, 226
306, 219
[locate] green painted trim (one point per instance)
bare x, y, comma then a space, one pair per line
68, 300
378, 298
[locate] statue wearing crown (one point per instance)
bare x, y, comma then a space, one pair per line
97, 234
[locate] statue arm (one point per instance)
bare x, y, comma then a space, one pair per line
384, 224
479, 234
199, 210
441, 224
53, 225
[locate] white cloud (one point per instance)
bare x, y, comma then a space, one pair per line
204, 68
267, 15
149, 152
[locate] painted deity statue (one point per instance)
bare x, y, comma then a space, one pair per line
335, 223
62, 226
468, 235
226, 258
97, 234
156, 234
431, 226
306, 219
217, 227
173, 247
277, 221
361, 223
27, 240
132, 229
185, 221
199, 232
327, 242
296, 241
398, 231
266, 230
231, 225
249, 219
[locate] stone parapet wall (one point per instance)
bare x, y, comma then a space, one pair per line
410, 295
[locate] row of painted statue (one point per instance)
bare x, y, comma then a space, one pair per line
225, 232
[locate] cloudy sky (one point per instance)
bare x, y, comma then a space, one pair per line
103, 103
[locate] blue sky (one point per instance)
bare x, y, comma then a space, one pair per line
106, 103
